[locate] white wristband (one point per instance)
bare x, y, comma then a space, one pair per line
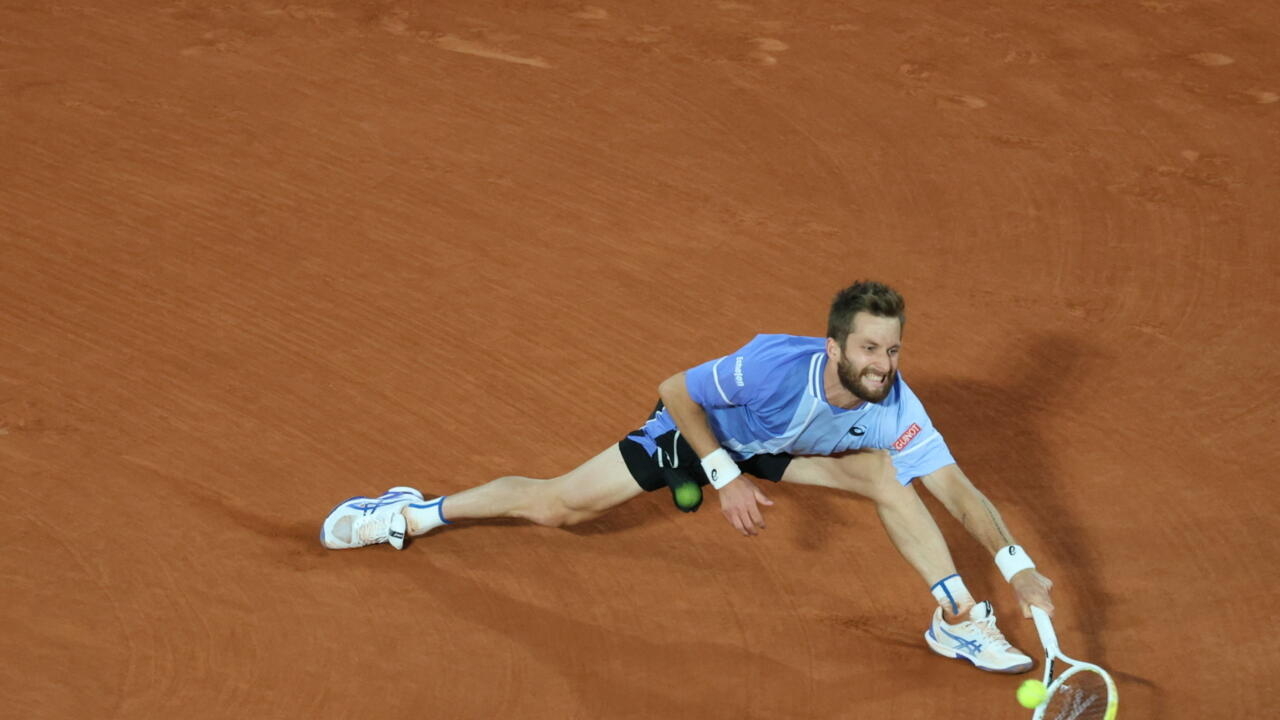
1012, 559
720, 468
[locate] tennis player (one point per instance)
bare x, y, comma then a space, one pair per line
831, 411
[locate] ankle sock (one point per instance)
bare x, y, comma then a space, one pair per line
426, 516
950, 593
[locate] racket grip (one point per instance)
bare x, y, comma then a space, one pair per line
1044, 626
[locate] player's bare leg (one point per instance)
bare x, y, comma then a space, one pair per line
599, 484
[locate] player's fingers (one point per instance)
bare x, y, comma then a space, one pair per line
731, 515
1045, 582
1040, 599
749, 520
757, 517
1046, 605
737, 524
762, 498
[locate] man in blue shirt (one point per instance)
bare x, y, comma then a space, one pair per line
832, 412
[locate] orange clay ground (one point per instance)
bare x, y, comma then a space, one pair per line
258, 257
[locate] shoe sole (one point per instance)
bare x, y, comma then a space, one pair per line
949, 653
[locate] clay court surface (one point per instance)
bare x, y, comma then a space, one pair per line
256, 258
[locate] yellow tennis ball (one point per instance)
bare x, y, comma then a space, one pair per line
1031, 693
688, 496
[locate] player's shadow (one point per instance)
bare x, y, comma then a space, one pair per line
995, 431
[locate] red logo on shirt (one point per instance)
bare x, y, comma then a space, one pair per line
906, 437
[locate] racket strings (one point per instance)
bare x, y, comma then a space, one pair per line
1083, 696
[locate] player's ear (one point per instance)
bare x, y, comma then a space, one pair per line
833, 350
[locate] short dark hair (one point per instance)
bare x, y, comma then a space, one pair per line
863, 296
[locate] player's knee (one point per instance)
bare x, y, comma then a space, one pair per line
870, 474
572, 513
549, 510
550, 517
886, 488
562, 501
891, 493
560, 515
534, 499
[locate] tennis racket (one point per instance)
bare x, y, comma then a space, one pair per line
1083, 691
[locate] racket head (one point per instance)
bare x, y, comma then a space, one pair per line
1083, 692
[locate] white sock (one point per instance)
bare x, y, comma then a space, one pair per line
951, 593
425, 516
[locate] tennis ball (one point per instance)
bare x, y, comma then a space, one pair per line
1031, 693
688, 496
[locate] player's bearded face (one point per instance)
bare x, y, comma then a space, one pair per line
866, 383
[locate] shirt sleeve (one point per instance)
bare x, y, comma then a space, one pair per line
919, 448
744, 378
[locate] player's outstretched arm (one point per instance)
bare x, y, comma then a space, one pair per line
739, 497
967, 503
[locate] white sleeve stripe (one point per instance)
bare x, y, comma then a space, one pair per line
922, 443
716, 376
815, 379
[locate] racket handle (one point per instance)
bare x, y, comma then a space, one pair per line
1044, 626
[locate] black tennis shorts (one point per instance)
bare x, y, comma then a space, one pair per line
674, 455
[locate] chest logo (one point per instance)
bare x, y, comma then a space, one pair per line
857, 431
906, 437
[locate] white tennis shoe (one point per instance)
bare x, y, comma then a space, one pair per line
362, 521
977, 640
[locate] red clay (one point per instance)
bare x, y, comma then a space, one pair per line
257, 257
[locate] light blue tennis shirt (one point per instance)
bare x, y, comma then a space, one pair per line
768, 397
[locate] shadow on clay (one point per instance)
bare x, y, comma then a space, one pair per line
994, 431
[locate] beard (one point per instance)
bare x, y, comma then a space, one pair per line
852, 381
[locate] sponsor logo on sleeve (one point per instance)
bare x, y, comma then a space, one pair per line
737, 372
906, 437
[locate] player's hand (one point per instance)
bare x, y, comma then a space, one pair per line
1032, 588
739, 501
